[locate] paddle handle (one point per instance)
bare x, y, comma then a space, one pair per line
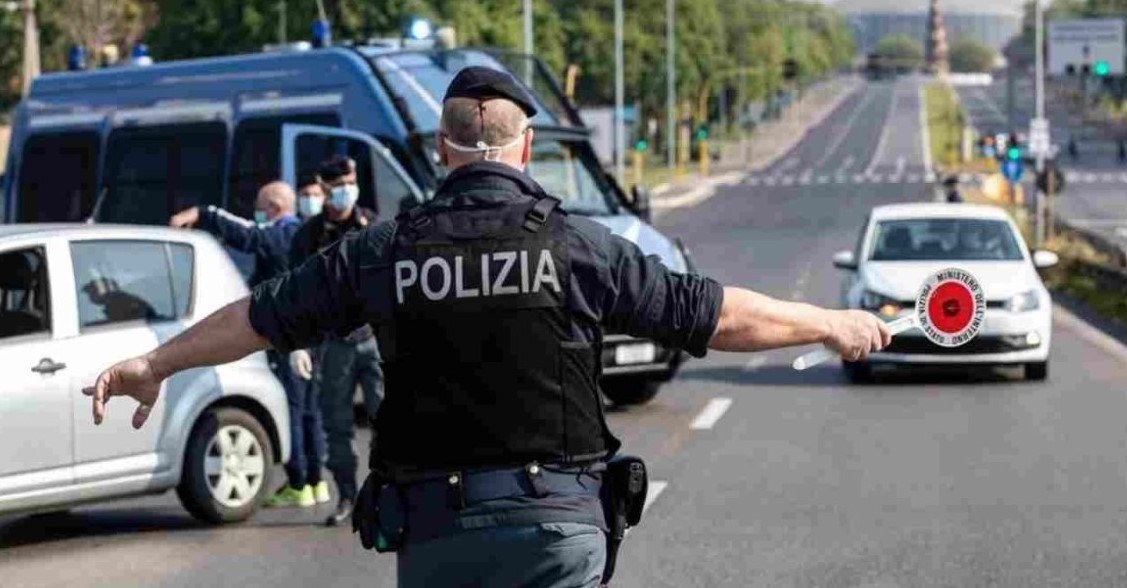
822, 355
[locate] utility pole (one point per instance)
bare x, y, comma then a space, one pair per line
529, 49
281, 22
670, 85
1041, 200
619, 98
31, 65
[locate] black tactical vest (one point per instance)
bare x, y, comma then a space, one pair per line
481, 370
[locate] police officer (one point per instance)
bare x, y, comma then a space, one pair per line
488, 303
342, 362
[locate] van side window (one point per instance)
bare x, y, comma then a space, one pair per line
57, 176
154, 172
25, 299
255, 156
389, 195
118, 281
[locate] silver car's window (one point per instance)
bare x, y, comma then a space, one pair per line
183, 261
24, 293
945, 239
119, 281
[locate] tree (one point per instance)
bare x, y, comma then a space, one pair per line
971, 56
900, 52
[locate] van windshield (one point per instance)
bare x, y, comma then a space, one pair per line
421, 78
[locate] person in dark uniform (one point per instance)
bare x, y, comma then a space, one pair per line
269, 239
341, 362
489, 303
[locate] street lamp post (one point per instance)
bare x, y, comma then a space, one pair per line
30, 46
670, 85
1040, 221
619, 98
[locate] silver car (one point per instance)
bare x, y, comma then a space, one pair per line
76, 298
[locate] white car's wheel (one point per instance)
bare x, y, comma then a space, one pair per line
226, 466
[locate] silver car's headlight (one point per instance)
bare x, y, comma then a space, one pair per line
1024, 302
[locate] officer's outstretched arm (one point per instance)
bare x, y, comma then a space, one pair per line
222, 337
750, 321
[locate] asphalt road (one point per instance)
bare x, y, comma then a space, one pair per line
929, 479
1095, 197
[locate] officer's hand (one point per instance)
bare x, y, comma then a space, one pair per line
302, 364
134, 378
185, 218
855, 333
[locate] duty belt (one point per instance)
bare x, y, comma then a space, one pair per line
459, 489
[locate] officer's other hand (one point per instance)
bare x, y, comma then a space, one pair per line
855, 333
302, 364
185, 218
134, 378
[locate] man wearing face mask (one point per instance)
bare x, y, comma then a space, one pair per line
310, 198
269, 239
340, 363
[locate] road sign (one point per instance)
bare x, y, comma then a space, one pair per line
1012, 169
950, 307
1039, 139
1097, 43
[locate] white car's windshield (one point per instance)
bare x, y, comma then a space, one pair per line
944, 239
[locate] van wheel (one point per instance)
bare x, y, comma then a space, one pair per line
625, 391
226, 466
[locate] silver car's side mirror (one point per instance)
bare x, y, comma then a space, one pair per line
1045, 259
845, 260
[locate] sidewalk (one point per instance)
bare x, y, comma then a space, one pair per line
769, 143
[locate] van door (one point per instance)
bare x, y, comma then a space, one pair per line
36, 437
384, 186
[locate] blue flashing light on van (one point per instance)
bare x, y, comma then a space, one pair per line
135, 145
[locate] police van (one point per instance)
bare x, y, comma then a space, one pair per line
136, 144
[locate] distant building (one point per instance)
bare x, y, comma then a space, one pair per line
993, 22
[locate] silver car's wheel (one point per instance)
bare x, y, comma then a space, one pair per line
227, 466
234, 466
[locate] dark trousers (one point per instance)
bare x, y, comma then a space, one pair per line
340, 367
548, 555
307, 435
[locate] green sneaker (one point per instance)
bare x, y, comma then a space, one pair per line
288, 496
321, 492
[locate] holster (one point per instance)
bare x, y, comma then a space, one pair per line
623, 495
378, 516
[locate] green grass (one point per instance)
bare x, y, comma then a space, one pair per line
945, 123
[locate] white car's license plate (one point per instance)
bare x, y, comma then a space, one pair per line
634, 353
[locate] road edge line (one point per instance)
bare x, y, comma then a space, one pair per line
653, 490
1090, 332
925, 133
711, 413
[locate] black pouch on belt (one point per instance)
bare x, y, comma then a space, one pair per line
623, 495
378, 516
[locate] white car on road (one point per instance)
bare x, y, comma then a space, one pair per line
75, 299
902, 244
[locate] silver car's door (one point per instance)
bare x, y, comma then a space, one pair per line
384, 185
127, 303
36, 439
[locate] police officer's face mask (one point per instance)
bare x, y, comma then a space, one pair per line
310, 205
260, 217
343, 197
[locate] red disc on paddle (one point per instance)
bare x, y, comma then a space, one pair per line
951, 307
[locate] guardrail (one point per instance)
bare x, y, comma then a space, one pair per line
1109, 279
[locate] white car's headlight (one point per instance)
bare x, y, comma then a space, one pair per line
875, 302
1024, 302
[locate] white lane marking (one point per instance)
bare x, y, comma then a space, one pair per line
845, 129
711, 413
876, 178
929, 177
913, 178
823, 179
788, 180
845, 165
878, 154
804, 180
1094, 336
653, 490
790, 164
757, 361
1107, 178
770, 181
1123, 178
901, 163
1090, 179
1071, 177
752, 181
858, 178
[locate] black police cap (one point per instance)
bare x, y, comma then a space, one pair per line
483, 83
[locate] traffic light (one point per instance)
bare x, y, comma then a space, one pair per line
641, 145
1102, 69
790, 69
1013, 153
702, 132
